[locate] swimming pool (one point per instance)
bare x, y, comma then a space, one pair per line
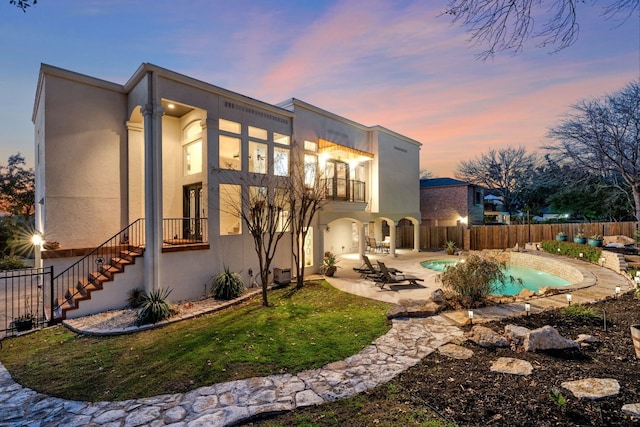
532, 279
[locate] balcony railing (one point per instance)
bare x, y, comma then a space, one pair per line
184, 231
346, 190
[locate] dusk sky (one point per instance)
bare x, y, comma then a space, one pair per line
378, 62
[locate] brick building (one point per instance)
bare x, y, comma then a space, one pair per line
448, 202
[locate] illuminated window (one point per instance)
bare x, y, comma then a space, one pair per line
230, 205
308, 248
281, 199
257, 133
192, 158
310, 170
229, 126
229, 153
279, 138
257, 157
280, 161
310, 146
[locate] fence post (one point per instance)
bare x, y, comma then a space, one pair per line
51, 320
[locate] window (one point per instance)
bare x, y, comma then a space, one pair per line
258, 203
310, 170
257, 133
257, 157
230, 205
281, 198
280, 161
310, 146
308, 248
279, 138
229, 153
229, 126
192, 158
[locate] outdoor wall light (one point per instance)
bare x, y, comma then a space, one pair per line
470, 314
617, 291
527, 307
569, 298
37, 240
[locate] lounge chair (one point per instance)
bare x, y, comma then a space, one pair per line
386, 277
369, 269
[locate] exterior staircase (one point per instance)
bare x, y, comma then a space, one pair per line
94, 281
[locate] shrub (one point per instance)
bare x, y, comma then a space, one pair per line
556, 247
580, 313
12, 263
473, 279
155, 307
227, 285
135, 297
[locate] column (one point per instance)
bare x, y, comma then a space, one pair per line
392, 238
152, 194
416, 236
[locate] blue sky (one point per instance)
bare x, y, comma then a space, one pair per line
379, 62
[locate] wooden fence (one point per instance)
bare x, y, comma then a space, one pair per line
507, 236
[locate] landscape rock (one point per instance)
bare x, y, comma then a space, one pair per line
396, 311
593, 388
456, 351
586, 338
486, 337
510, 365
632, 409
437, 296
619, 239
413, 308
516, 335
547, 338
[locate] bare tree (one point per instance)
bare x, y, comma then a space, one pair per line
602, 135
261, 204
23, 4
505, 25
306, 198
425, 174
505, 171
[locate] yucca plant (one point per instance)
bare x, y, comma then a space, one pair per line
227, 285
155, 307
135, 297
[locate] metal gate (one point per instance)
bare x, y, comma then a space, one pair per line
23, 295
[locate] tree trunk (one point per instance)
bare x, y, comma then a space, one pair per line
636, 199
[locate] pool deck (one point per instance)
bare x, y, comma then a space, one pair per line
598, 283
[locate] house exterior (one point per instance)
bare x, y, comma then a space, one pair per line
450, 202
139, 184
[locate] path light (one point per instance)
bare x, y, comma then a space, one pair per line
638, 273
617, 291
527, 307
581, 255
569, 298
558, 250
470, 313
637, 280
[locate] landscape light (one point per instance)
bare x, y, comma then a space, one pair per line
617, 291
470, 313
581, 254
527, 307
569, 298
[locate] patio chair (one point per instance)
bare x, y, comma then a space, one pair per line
369, 269
386, 277
372, 244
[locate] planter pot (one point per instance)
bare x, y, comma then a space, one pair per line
594, 242
581, 240
635, 334
561, 238
23, 325
330, 271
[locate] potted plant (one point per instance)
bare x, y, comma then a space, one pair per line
595, 240
25, 321
450, 247
580, 237
329, 267
561, 236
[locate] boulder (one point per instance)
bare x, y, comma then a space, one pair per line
509, 365
437, 296
526, 294
413, 308
593, 388
516, 335
486, 337
618, 239
456, 351
547, 338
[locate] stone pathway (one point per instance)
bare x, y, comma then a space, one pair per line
408, 341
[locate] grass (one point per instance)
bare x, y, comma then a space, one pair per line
301, 329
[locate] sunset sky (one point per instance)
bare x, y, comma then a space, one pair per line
397, 64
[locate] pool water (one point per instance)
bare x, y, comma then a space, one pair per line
531, 279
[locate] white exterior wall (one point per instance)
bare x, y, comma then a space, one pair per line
84, 170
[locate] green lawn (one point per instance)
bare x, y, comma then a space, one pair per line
302, 329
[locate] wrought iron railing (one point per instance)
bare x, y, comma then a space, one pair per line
343, 189
88, 273
22, 306
184, 231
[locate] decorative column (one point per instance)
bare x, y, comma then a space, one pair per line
392, 238
362, 247
152, 194
416, 236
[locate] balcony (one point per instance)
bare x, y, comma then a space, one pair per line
344, 190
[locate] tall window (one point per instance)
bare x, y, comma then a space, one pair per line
230, 205
257, 157
281, 198
279, 138
192, 158
257, 133
280, 161
229, 146
310, 170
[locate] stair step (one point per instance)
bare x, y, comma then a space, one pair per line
120, 262
96, 276
86, 286
63, 304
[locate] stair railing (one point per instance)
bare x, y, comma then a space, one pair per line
87, 272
